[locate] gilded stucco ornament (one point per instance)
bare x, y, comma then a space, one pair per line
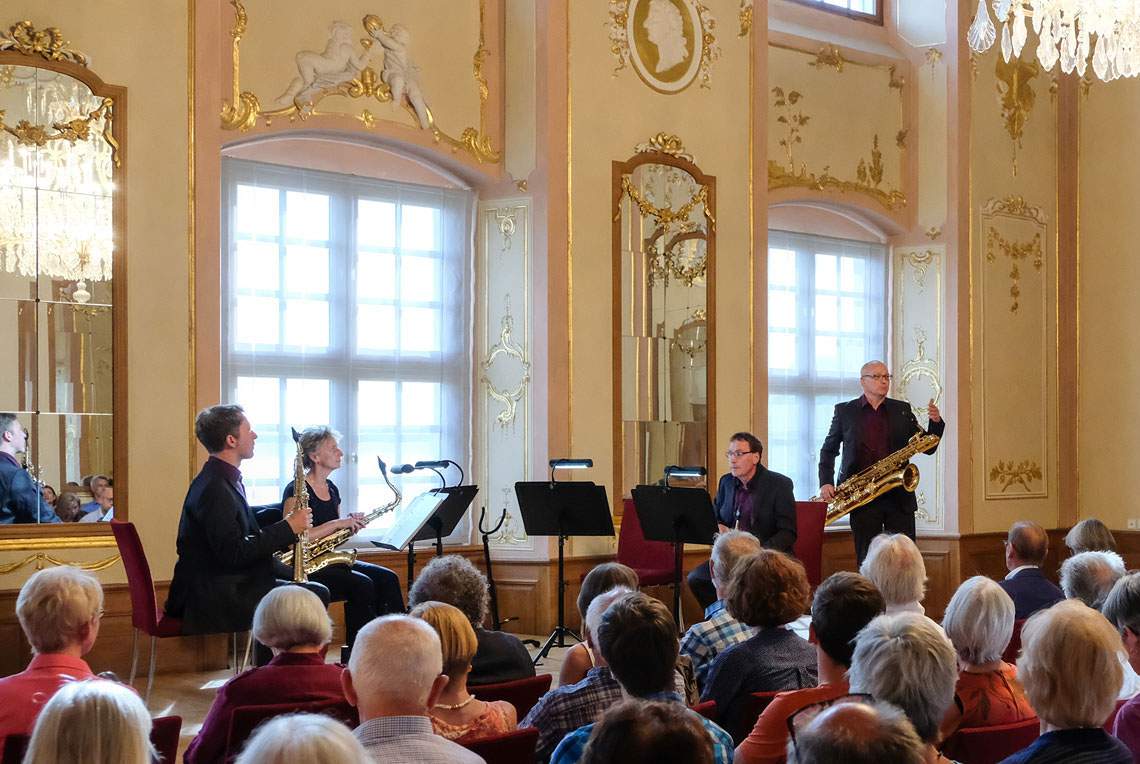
1014, 83
72, 130
666, 144
506, 348
745, 18
829, 57
42, 559
669, 43
47, 43
1009, 474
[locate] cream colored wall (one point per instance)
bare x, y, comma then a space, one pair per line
142, 46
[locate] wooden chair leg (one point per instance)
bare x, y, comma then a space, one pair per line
134, 656
150, 674
248, 650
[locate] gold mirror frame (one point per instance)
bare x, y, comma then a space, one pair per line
664, 150
23, 45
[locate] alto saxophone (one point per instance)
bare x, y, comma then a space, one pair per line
323, 552
882, 476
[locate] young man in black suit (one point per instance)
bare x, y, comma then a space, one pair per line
750, 498
20, 498
870, 428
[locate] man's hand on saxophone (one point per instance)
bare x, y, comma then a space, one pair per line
299, 520
827, 492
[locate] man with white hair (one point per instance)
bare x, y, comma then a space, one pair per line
395, 675
856, 733
704, 640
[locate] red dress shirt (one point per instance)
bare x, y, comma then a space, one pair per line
23, 695
874, 435
288, 678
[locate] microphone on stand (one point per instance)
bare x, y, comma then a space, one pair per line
403, 469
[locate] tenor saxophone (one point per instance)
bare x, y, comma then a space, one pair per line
884, 475
323, 552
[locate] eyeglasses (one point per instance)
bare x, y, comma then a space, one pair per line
804, 716
736, 454
878, 377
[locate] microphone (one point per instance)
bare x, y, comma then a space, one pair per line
403, 469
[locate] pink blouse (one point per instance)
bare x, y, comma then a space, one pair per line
494, 721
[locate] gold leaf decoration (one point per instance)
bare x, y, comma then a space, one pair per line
48, 43
1009, 474
1015, 252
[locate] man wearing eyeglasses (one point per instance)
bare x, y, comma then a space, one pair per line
750, 498
870, 428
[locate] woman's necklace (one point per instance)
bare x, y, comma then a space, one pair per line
455, 706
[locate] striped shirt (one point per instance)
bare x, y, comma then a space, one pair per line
410, 740
704, 640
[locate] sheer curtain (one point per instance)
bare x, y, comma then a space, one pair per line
826, 317
348, 303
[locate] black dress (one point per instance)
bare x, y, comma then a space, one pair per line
368, 590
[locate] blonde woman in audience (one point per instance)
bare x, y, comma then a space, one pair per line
1090, 535
457, 714
979, 622
59, 610
580, 658
311, 738
92, 722
1071, 674
67, 507
895, 567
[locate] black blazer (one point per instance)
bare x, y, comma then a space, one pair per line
20, 497
1030, 592
225, 561
845, 424
773, 507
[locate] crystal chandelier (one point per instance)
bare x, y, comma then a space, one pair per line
1107, 32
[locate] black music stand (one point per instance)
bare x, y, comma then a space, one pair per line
410, 521
677, 516
456, 500
563, 510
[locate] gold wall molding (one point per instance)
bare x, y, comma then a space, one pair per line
72, 130
920, 262
933, 232
1016, 97
829, 57
243, 111
666, 144
1015, 252
49, 44
42, 559
506, 347
623, 21
1008, 474
1014, 206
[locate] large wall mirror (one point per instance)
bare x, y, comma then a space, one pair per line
664, 246
62, 267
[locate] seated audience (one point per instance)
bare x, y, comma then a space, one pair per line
895, 567
394, 677
767, 590
1122, 609
579, 659
568, 707
311, 738
92, 722
645, 732
638, 639
1070, 672
1026, 547
979, 622
1090, 535
857, 733
49, 494
294, 624
843, 605
906, 660
67, 507
705, 640
457, 714
501, 657
59, 610
105, 502
95, 484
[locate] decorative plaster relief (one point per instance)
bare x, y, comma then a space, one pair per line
1014, 83
1008, 474
506, 348
669, 43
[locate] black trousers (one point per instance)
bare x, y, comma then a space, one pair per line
890, 513
367, 590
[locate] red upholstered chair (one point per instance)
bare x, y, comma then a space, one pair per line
520, 693
654, 561
757, 702
706, 709
1112, 717
514, 747
808, 548
986, 745
246, 719
1014, 646
164, 734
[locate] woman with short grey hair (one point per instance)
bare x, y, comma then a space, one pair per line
452, 579
907, 660
95, 721
894, 565
293, 623
979, 622
311, 738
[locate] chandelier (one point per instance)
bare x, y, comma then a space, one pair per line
1074, 32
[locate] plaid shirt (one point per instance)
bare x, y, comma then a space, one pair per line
565, 709
570, 750
717, 632
410, 740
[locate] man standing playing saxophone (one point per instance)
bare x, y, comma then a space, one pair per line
870, 428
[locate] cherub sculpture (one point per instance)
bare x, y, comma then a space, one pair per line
338, 63
399, 73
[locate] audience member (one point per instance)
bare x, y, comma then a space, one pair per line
979, 622
647, 732
895, 567
67, 507
95, 484
568, 707
105, 503
293, 623
457, 714
59, 610
1070, 671
638, 639
501, 657
1122, 609
579, 659
393, 677
843, 605
1026, 547
705, 640
905, 659
92, 722
767, 590
49, 494
1090, 535
857, 733
20, 498
311, 738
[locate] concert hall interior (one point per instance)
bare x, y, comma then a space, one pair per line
495, 233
